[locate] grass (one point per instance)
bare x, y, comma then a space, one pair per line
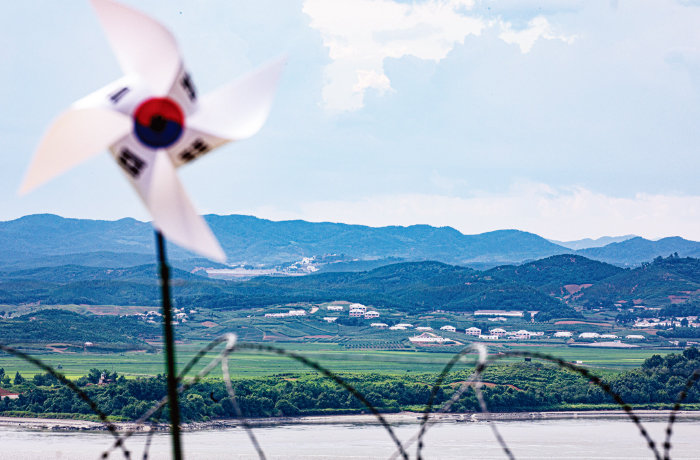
330, 355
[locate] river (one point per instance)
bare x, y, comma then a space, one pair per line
552, 439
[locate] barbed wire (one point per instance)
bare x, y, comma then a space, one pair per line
692, 380
73, 387
481, 362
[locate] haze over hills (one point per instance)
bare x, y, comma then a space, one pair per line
586, 243
637, 250
49, 240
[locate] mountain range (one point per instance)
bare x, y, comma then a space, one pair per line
555, 286
586, 243
49, 240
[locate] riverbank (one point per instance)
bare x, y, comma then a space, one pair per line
39, 424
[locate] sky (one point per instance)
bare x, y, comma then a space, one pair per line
566, 118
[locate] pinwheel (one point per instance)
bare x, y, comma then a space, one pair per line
153, 122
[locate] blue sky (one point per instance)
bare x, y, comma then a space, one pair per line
569, 119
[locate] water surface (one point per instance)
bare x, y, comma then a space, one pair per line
553, 439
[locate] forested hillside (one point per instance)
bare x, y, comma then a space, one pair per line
411, 287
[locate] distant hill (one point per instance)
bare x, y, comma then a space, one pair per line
593, 243
661, 282
637, 250
411, 287
48, 240
27, 241
72, 273
559, 276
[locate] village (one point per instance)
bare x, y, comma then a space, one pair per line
508, 326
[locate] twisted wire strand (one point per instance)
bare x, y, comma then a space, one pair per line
74, 388
591, 378
425, 420
474, 381
334, 377
270, 349
692, 380
182, 387
234, 402
154, 423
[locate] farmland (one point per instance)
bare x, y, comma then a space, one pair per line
333, 356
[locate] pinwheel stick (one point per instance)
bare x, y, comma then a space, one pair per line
169, 347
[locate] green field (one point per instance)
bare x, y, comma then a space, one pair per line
332, 356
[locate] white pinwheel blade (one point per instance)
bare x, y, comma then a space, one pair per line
175, 216
142, 45
153, 176
75, 136
238, 110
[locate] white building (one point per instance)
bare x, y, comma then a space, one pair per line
448, 328
428, 337
473, 331
330, 319
522, 334
635, 337
563, 334
498, 332
424, 328
371, 314
379, 325
588, 335
398, 327
335, 308
357, 313
608, 336
488, 337
296, 313
358, 306
405, 325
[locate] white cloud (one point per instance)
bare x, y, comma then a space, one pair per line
361, 34
537, 28
563, 214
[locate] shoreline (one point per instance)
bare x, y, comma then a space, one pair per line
47, 424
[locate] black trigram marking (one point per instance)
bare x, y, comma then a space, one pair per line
197, 148
132, 164
188, 86
116, 96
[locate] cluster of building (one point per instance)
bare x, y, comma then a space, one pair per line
179, 316
355, 310
595, 335
500, 333
681, 321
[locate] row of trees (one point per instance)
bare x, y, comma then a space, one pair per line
512, 387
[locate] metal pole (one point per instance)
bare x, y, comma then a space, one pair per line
169, 348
